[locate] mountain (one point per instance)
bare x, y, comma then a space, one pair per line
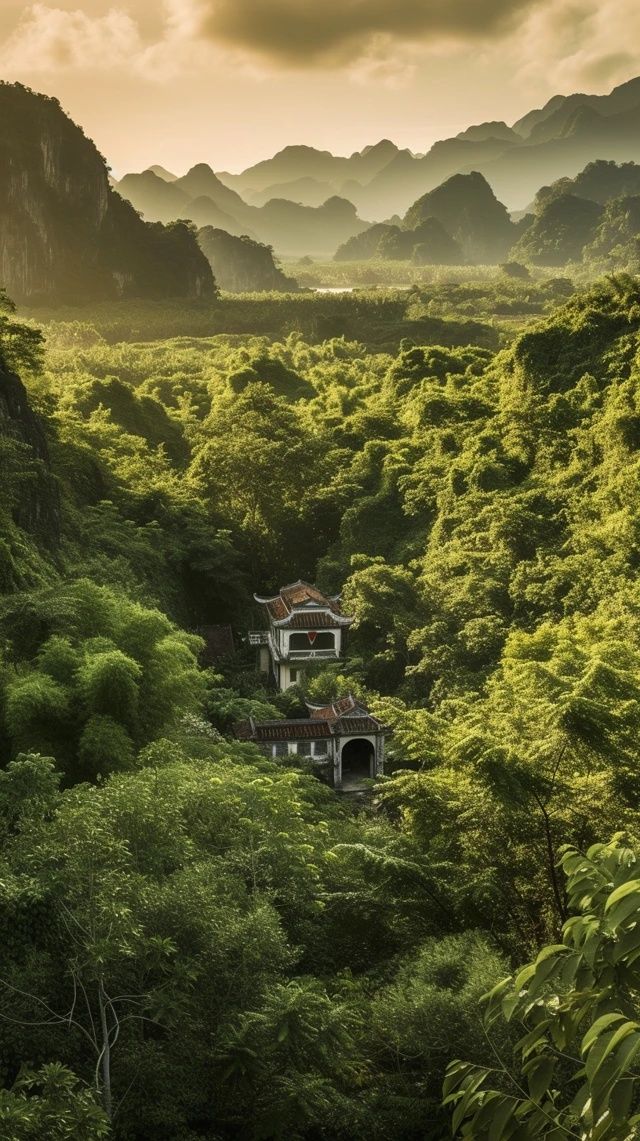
427, 244
204, 212
587, 135
65, 234
548, 143
162, 173
37, 510
295, 230
382, 181
485, 131
241, 265
292, 228
365, 246
460, 221
432, 245
287, 165
549, 121
470, 213
306, 191
405, 178
201, 182
555, 141
295, 164
160, 201
616, 242
559, 233
599, 181
153, 196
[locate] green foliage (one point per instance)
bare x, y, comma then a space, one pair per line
271, 960
52, 1103
559, 232
577, 1005
431, 1004
118, 675
242, 265
467, 209
20, 344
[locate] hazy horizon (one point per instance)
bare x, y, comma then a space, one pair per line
230, 83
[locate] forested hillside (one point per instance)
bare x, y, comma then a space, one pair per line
200, 942
241, 265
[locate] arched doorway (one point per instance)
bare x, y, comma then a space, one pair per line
358, 761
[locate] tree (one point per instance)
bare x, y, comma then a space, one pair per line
153, 912
579, 1007
104, 677
257, 465
51, 1102
21, 345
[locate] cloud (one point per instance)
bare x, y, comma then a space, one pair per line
574, 44
558, 45
341, 31
56, 39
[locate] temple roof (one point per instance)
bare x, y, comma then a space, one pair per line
304, 728
301, 605
344, 718
338, 709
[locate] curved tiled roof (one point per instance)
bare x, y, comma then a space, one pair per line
312, 620
304, 729
338, 709
347, 726
300, 604
346, 717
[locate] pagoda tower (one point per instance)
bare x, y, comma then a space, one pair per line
304, 626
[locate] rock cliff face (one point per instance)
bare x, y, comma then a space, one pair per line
65, 234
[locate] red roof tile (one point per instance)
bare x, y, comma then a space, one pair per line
301, 593
325, 721
346, 726
299, 600
313, 620
337, 709
277, 609
282, 730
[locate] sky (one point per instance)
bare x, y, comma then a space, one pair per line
230, 82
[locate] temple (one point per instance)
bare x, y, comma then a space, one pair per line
344, 742
304, 626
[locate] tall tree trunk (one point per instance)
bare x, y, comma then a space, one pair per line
105, 1063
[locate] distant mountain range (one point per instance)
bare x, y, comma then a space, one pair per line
460, 222
592, 219
66, 235
292, 228
382, 181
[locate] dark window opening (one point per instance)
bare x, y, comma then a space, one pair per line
322, 641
